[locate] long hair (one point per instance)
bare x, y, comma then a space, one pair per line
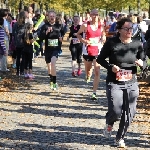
28, 27
21, 18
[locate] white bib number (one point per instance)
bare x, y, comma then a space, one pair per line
94, 41
124, 75
52, 42
75, 40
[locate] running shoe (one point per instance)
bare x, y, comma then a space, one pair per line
26, 76
14, 66
31, 76
51, 85
74, 74
88, 79
120, 143
79, 72
93, 97
55, 86
107, 131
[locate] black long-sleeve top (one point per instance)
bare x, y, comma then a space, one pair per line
121, 55
53, 36
147, 35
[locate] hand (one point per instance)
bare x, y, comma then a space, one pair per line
87, 42
75, 34
48, 30
115, 69
35, 28
68, 38
139, 62
60, 39
103, 39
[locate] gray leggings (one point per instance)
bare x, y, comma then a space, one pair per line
122, 100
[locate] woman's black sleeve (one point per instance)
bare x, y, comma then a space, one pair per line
147, 35
105, 53
141, 55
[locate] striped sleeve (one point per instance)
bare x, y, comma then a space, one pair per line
2, 43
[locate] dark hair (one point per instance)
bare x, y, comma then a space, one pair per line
121, 22
21, 18
1, 21
139, 19
3, 12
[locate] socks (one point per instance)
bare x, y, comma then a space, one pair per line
54, 79
51, 78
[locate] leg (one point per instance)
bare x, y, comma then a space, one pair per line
25, 63
88, 66
115, 102
130, 96
96, 75
53, 65
74, 57
30, 62
79, 59
4, 58
18, 56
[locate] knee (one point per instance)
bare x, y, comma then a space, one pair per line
97, 72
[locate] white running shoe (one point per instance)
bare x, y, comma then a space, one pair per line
120, 143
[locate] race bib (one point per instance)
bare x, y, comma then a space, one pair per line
124, 75
52, 42
75, 40
94, 41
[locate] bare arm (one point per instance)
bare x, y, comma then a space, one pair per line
81, 30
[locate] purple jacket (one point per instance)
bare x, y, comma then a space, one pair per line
2, 43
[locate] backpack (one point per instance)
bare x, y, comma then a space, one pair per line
136, 33
19, 31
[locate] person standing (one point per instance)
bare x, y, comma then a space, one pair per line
4, 14
75, 47
52, 33
93, 37
28, 50
122, 88
17, 32
3, 50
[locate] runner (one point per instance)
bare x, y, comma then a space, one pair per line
94, 35
52, 33
121, 82
75, 47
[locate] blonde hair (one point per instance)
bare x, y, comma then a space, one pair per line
28, 27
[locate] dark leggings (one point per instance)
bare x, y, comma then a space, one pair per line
20, 64
28, 60
76, 52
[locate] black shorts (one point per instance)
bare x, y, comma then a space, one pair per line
50, 54
89, 58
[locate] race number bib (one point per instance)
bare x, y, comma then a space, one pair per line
94, 41
52, 42
75, 40
124, 75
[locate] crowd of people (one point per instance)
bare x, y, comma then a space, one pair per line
119, 38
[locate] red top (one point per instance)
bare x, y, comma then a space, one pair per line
94, 38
